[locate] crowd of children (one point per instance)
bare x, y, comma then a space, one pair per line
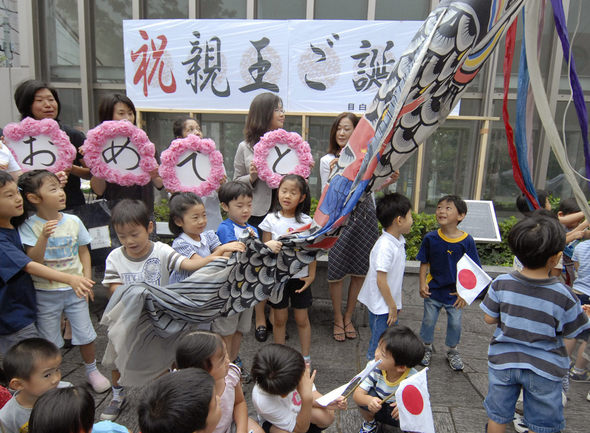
46, 273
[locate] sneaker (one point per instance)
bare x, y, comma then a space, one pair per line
519, 425
580, 377
245, 377
98, 382
427, 355
114, 409
588, 396
455, 361
368, 427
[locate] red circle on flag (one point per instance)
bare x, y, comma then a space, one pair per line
467, 279
412, 399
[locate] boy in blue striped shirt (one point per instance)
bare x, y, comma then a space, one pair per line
533, 313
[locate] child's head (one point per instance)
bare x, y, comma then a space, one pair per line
63, 410
293, 194
538, 240
41, 189
569, 206
277, 369
236, 199
399, 348
450, 210
522, 203
395, 209
203, 349
11, 200
32, 366
187, 214
186, 126
116, 106
180, 402
131, 221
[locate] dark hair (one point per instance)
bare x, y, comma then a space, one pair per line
403, 345
390, 206
19, 361
568, 206
303, 189
24, 96
260, 114
457, 201
277, 369
197, 348
179, 203
5, 178
30, 182
522, 203
333, 147
177, 402
106, 106
232, 190
129, 211
63, 410
535, 239
178, 126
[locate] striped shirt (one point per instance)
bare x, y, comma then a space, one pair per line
187, 246
535, 315
378, 383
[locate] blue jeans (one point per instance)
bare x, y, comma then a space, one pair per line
378, 325
431, 311
543, 409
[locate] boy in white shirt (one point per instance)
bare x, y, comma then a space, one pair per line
382, 289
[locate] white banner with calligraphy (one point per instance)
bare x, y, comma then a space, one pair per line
313, 65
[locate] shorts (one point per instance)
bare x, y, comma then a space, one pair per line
9, 340
50, 306
298, 300
384, 415
241, 322
543, 408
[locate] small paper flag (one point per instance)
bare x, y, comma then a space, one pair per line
413, 403
471, 279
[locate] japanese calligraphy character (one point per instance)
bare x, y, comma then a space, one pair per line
211, 68
371, 71
147, 56
117, 150
258, 69
193, 159
29, 159
280, 155
321, 65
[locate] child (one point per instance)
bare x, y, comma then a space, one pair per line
59, 241
382, 289
572, 219
581, 260
32, 368
18, 308
180, 402
182, 128
188, 221
236, 199
138, 260
206, 350
284, 395
288, 216
399, 350
532, 313
439, 253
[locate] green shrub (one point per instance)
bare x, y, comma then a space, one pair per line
161, 210
498, 253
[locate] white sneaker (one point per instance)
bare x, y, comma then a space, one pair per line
588, 396
518, 423
98, 382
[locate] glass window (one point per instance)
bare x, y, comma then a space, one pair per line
170, 9
62, 47
227, 132
340, 10
221, 9
158, 127
70, 101
108, 39
580, 47
272, 9
414, 10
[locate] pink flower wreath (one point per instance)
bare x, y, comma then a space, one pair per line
279, 136
108, 130
28, 127
178, 147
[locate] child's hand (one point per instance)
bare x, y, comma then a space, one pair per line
424, 291
305, 385
275, 246
586, 309
234, 246
82, 287
460, 302
374, 405
392, 316
340, 403
307, 282
63, 178
49, 228
395, 411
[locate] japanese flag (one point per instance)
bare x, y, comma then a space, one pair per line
413, 403
471, 279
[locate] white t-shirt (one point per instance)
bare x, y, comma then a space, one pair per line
325, 168
388, 255
154, 268
278, 225
279, 411
6, 159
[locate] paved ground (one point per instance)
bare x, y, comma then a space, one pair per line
456, 398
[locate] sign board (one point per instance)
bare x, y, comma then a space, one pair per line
480, 221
